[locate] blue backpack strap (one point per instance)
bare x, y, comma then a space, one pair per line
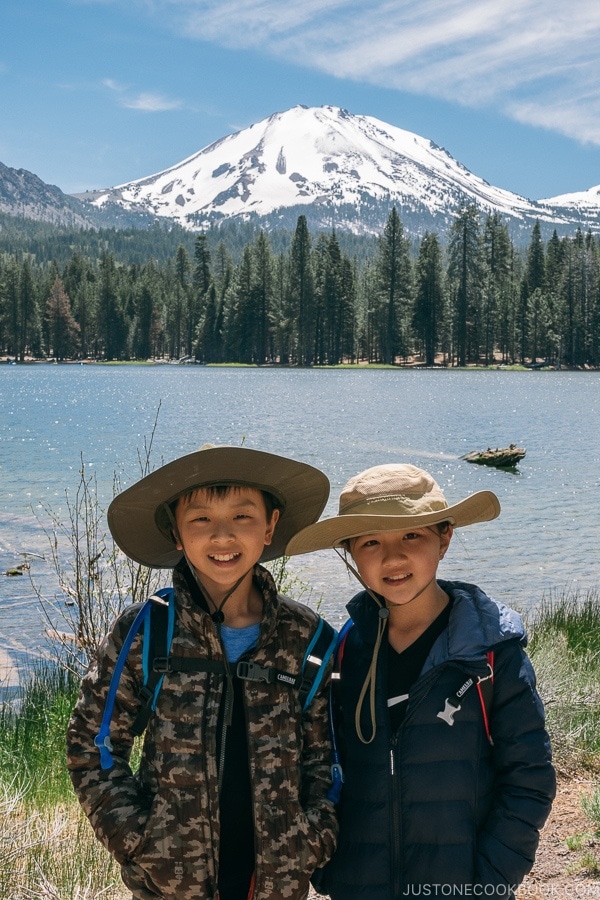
337, 773
318, 653
102, 739
158, 635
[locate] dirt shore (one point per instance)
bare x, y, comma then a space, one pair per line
558, 873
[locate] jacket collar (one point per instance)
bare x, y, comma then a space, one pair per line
477, 623
192, 608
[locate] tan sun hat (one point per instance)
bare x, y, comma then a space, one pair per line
391, 497
140, 524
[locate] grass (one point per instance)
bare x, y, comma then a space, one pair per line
565, 651
32, 737
48, 850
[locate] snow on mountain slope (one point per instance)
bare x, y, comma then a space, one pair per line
582, 200
325, 158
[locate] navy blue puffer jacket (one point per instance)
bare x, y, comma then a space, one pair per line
433, 809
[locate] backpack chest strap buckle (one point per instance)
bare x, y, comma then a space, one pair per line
252, 671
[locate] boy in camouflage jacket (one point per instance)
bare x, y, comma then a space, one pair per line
230, 799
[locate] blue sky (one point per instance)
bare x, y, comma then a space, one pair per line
95, 93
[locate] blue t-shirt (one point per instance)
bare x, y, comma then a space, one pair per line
238, 640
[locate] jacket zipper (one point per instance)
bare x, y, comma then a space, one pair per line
253, 796
226, 708
396, 818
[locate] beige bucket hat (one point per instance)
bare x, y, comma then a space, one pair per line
140, 523
391, 497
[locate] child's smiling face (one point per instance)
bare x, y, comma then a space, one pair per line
223, 536
401, 565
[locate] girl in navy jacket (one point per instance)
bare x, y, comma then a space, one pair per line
446, 760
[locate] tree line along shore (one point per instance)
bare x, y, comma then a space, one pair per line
304, 299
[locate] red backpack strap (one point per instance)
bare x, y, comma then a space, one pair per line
485, 689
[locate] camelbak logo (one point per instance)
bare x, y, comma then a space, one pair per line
464, 688
289, 679
448, 712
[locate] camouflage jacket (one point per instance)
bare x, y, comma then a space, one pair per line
162, 823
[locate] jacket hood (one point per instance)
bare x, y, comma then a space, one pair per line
477, 623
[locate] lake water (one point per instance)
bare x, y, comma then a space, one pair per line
545, 542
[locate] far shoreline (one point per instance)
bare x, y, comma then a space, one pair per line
361, 366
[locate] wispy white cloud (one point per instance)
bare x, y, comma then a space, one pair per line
536, 61
144, 101
151, 103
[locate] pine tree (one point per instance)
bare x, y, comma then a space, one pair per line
110, 318
394, 288
210, 338
80, 282
347, 323
534, 279
147, 325
61, 328
240, 321
10, 295
464, 272
555, 255
429, 302
301, 293
497, 294
29, 315
262, 293
282, 322
333, 301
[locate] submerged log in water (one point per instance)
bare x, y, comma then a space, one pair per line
500, 458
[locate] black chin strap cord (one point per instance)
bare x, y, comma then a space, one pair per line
217, 616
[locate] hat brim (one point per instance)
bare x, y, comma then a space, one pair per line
479, 507
134, 515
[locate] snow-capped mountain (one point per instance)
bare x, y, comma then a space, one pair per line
584, 206
584, 200
338, 169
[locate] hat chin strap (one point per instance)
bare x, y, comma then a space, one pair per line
371, 679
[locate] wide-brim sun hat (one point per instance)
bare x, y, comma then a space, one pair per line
391, 497
140, 523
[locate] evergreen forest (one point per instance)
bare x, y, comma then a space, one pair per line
301, 299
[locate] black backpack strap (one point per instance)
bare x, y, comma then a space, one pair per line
318, 652
158, 662
169, 664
